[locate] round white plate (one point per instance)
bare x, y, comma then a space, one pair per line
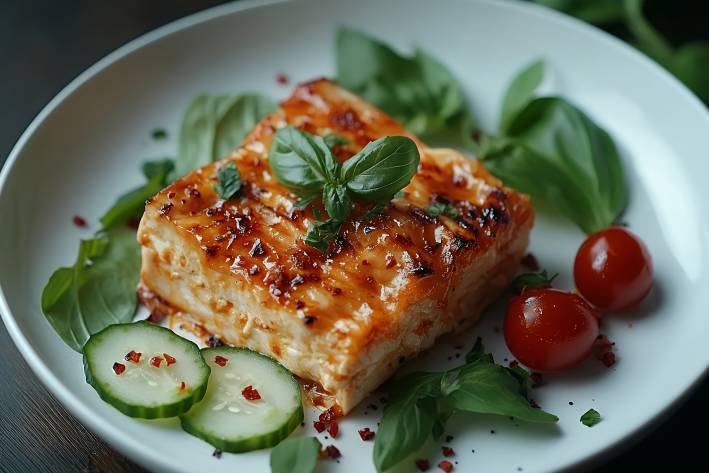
85, 148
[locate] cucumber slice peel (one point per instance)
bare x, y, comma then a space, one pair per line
226, 419
142, 389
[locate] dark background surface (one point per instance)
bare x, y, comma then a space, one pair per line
44, 44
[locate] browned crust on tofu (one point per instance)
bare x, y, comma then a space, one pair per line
402, 274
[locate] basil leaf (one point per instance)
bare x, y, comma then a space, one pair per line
301, 162
374, 212
333, 139
486, 388
520, 92
322, 233
565, 161
295, 455
590, 418
229, 181
408, 419
97, 291
303, 202
214, 125
337, 202
382, 168
131, 205
418, 91
438, 208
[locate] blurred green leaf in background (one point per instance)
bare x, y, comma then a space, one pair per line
629, 19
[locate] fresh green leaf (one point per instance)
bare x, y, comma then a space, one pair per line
301, 162
477, 353
99, 290
418, 91
303, 202
438, 208
646, 36
159, 134
691, 65
295, 455
486, 388
520, 91
556, 153
532, 280
374, 212
214, 125
408, 419
590, 418
130, 206
337, 202
229, 181
322, 233
333, 139
592, 11
382, 168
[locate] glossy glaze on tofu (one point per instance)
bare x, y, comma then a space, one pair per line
385, 289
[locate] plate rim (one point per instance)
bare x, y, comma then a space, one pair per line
152, 459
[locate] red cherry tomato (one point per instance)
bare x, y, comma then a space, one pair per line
550, 330
613, 269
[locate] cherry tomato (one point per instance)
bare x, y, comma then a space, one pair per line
550, 330
613, 269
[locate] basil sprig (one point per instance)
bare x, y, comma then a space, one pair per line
228, 181
420, 92
304, 164
550, 149
295, 455
421, 403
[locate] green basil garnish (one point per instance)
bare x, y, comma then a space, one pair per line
590, 418
295, 455
229, 181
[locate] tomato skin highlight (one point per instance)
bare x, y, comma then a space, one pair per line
613, 269
549, 329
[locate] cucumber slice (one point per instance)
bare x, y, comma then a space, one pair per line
138, 388
226, 419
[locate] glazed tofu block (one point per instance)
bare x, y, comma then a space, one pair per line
385, 289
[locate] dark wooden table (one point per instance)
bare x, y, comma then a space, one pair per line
43, 45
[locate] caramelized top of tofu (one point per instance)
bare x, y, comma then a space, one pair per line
376, 268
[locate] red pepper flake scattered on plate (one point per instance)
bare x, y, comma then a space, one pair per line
533, 404
133, 356
333, 452
530, 262
155, 361
183, 385
514, 364
366, 434
319, 426
250, 393
170, 359
331, 414
422, 464
446, 466
448, 452
537, 380
156, 317
608, 358
220, 360
334, 429
282, 79
119, 368
79, 221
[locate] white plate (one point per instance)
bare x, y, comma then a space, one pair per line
85, 148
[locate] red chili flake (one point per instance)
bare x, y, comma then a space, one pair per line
319, 426
299, 304
220, 360
390, 260
366, 434
530, 262
155, 361
537, 379
250, 393
334, 429
514, 364
156, 317
331, 414
171, 195
282, 79
79, 221
165, 208
608, 358
365, 262
309, 320
369, 279
119, 368
448, 452
422, 464
446, 466
336, 291
133, 356
533, 404
170, 359
333, 452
